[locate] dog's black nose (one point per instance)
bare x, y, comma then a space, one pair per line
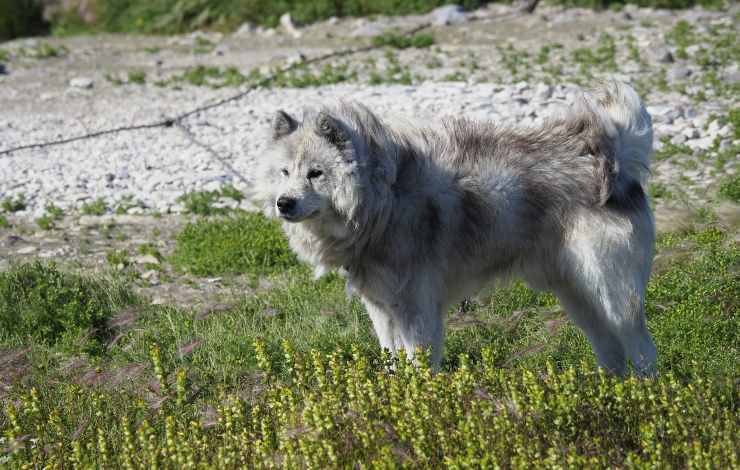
286, 204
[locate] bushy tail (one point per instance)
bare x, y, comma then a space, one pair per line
629, 126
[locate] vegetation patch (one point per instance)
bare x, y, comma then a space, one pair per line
245, 243
204, 202
14, 204
44, 304
52, 214
96, 207
729, 188
399, 41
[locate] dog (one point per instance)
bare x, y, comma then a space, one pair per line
418, 218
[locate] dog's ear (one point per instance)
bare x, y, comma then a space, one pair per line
331, 129
283, 124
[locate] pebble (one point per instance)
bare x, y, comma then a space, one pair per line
81, 83
27, 250
448, 15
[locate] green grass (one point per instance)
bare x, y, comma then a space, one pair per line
202, 202
729, 188
14, 204
96, 207
243, 243
419, 41
292, 373
51, 215
41, 304
137, 77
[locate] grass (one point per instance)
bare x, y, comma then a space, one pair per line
204, 202
137, 77
729, 188
51, 215
292, 374
244, 243
41, 304
96, 207
419, 41
14, 204
4, 222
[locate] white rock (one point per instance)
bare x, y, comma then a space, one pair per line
81, 82
447, 15
245, 29
27, 250
287, 23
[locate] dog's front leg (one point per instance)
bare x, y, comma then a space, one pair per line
384, 323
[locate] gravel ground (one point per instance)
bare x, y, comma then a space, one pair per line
497, 66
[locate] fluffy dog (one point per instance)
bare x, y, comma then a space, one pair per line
418, 218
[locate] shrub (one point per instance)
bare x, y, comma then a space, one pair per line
42, 302
247, 243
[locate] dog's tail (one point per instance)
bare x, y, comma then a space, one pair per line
628, 126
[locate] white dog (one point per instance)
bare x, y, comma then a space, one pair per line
420, 218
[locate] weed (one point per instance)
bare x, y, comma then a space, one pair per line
418, 41
43, 50
4, 55
137, 76
669, 150
247, 243
203, 45
454, 77
118, 259
231, 192
213, 77
96, 207
729, 188
52, 214
659, 191
4, 222
127, 203
17, 204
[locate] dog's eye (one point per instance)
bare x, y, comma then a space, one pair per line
314, 173
284, 172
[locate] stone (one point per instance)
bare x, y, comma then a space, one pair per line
678, 139
146, 259
543, 91
367, 30
245, 29
678, 73
286, 21
27, 250
3, 69
448, 15
81, 83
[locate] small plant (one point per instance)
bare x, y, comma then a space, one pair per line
16, 204
669, 150
137, 76
200, 202
4, 222
4, 55
729, 188
231, 192
418, 41
127, 203
43, 50
119, 259
96, 207
203, 45
51, 215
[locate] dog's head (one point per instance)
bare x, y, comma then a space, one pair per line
322, 166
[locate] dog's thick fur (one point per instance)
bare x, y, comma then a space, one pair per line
418, 218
